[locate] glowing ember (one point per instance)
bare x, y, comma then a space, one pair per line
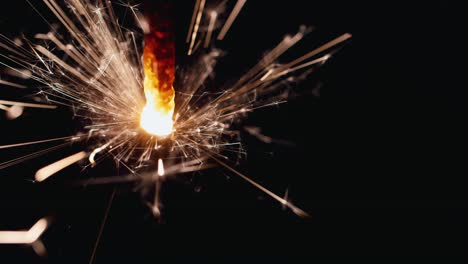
158, 65
155, 120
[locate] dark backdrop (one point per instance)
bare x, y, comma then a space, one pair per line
378, 159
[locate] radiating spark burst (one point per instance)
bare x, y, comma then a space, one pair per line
97, 71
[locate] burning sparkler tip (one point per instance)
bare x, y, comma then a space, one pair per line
155, 122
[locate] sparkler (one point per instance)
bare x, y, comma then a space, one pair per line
127, 97
159, 68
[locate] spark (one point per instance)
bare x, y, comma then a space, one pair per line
14, 112
235, 12
160, 168
12, 84
93, 154
6, 102
213, 16
25, 237
283, 201
49, 170
30, 156
157, 189
196, 26
192, 21
103, 224
72, 138
322, 48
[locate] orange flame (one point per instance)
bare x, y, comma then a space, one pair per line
159, 68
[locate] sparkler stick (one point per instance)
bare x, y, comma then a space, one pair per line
159, 67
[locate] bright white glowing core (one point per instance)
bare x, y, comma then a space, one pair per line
155, 122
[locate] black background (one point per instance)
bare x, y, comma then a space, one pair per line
378, 159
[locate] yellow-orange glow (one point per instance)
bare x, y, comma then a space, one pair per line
158, 65
156, 116
155, 121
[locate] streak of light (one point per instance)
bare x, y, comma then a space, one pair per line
14, 112
22, 73
103, 224
9, 48
60, 62
269, 72
192, 21
316, 51
24, 237
39, 248
134, 177
155, 206
160, 168
270, 57
196, 26
31, 156
213, 16
6, 102
301, 66
251, 86
257, 132
284, 202
12, 84
49, 170
101, 148
96, 151
157, 189
72, 138
231, 18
